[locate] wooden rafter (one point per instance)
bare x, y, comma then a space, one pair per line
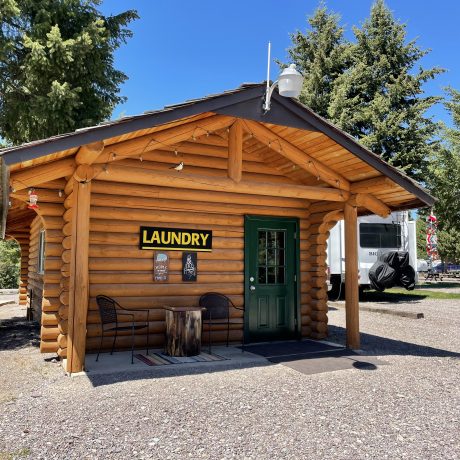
88, 153
296, 155
371, 203
167, 137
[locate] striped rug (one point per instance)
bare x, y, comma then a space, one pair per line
160, 359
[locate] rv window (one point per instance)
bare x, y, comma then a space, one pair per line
380, 236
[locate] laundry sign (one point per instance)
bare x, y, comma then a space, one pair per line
175, 239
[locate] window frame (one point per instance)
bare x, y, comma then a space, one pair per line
379, 246
41, 253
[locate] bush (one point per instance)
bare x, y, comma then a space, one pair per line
10, 256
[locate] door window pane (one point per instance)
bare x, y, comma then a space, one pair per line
271, 246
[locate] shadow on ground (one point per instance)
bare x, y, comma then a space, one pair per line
376, 345
18, 333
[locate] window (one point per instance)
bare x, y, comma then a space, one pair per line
380, 235
41, 252
271, 256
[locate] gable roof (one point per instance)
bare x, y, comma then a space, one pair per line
243, 102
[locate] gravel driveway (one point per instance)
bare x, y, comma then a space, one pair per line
407, 409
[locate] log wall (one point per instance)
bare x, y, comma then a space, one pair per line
119, 269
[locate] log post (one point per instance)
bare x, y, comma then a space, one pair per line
183, 331
235, 151
79, 279
351, 276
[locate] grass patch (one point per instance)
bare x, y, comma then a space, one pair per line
401, 295
20, 453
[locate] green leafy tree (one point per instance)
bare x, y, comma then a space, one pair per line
10, 257
379, 99
56, 66
449, 245
321, 54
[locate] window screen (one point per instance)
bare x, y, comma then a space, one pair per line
41, 252
380, 236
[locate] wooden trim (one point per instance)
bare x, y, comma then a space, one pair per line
79, 279
166, 137
115, 173
351, 276
37, 175
235, 151
371, 203
296, 155
88, 153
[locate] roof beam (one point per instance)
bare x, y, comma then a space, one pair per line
124, 174
235, 151
373, 184
371, 203
88, 153
37, 175
167, 137
296, 155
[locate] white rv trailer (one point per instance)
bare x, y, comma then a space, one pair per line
375, 234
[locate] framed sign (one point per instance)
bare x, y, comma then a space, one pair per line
160, 267
175, 239
189, 266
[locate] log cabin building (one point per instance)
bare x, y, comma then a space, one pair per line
268, 186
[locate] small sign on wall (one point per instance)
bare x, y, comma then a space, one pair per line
160, 267
189, 266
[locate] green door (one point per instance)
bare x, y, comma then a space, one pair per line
271, 264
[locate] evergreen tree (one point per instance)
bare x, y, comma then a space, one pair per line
379, 98
444, 170
321, 55
56, 66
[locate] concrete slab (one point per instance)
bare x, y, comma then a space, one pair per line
120, 362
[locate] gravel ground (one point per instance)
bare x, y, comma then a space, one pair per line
407, 409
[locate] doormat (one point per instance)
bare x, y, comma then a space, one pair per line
283, 351
160, 359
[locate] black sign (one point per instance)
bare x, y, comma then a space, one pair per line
175, 239
189, 266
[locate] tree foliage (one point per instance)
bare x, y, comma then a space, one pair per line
56, 66
10, 256
371, 88
321, 55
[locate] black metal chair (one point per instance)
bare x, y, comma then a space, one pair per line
110, 311
217, 312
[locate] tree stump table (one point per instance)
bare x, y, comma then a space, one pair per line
183, 331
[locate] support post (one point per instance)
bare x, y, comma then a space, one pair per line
351, 276
79, 278
235, 151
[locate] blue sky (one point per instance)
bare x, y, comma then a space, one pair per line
187, 49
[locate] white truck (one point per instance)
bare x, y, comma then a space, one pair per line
375, 234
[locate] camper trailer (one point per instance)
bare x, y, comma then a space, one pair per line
375, 234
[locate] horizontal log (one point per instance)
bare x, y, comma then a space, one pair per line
145, 278
48, 346
148, 191
366, 186
196, 182
129, 290
134, 264
371, 203
49, 332
62, 353
36, 175
318, 326
107, 251
135, 202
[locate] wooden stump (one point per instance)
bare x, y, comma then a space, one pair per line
183, 331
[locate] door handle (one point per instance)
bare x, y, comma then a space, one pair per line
252, 288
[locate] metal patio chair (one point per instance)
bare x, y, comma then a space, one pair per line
110, 311
217, 313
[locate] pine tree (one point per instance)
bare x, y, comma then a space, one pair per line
56, 66
379, 99
321, 55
